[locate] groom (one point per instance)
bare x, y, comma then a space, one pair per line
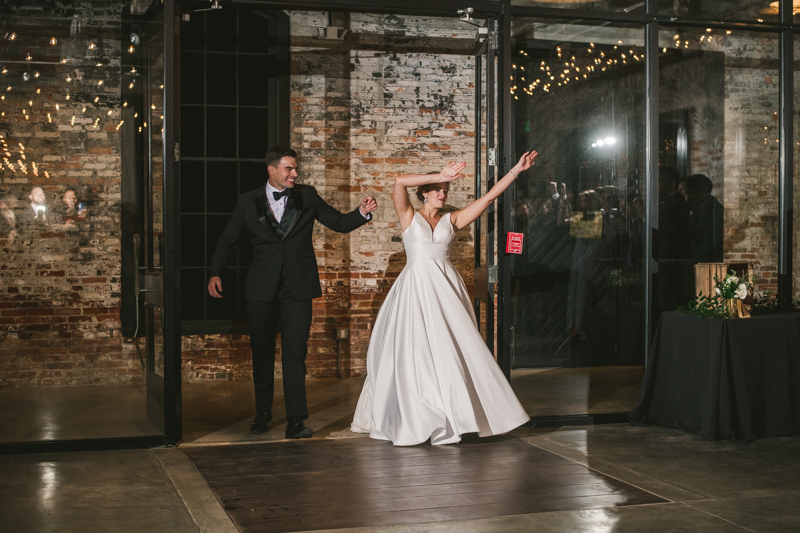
283, 279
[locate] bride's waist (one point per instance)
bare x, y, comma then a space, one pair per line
429, 257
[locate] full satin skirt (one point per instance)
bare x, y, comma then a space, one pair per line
429, 372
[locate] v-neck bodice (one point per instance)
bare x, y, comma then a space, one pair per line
421, 240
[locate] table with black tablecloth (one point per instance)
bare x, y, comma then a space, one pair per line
732, 379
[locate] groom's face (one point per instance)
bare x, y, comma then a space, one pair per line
284, 175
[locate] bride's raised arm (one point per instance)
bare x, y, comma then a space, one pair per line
402, 204
467, 215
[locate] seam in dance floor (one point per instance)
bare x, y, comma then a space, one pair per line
329, 484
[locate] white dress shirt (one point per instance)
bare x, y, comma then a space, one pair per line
278, 206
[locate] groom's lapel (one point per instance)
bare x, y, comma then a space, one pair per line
294, 207
263, 211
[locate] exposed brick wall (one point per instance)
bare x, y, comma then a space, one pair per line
395, 96
362, 115
60, 290
750, 172
734, 141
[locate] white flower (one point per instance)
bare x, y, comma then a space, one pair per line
718, 291
733, 280
741, 291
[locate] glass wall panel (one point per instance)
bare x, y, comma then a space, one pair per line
627, 6
718, 158
744, 10
73, 121
579, 100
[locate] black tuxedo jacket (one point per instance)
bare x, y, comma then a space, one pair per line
292, 255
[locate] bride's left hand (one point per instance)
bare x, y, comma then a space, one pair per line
526, 161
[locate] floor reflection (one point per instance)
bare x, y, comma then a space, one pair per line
67, 413
222, 411
577, 391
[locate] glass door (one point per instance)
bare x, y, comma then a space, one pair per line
152, 270
149, 217
578, 98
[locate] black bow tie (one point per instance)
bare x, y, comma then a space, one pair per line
278, 195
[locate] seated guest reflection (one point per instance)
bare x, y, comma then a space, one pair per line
674, 219
36, 213
71, 206
70, 209
707, 219
586, 229
8, 221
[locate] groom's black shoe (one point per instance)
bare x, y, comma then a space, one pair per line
259, 425
297, 430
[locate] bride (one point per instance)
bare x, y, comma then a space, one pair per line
429, 373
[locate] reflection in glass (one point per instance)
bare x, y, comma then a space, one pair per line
744, 10
718, 158
68, 128
627, 6
579, 100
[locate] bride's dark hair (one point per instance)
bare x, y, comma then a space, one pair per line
427, 187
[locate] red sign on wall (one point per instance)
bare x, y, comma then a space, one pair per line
514, 243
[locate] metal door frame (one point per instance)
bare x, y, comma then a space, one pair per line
485, 275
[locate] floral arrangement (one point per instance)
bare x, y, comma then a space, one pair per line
727, 290
733, 287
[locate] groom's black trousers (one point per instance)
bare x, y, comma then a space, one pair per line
295, 325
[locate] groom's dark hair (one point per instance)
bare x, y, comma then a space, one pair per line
275, 154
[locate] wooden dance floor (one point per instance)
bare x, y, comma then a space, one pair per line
328, 484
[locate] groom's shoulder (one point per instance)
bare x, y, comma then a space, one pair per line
306, 190
254, 192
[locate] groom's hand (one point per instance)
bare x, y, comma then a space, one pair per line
215, 287
368, 205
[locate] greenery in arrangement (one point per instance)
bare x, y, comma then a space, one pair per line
732, 287
705, 306
767, 303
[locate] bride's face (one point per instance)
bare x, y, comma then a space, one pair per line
437, 196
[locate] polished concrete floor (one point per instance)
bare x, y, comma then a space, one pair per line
709, 486
218, 411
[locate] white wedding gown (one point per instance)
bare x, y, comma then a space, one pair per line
429, 373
